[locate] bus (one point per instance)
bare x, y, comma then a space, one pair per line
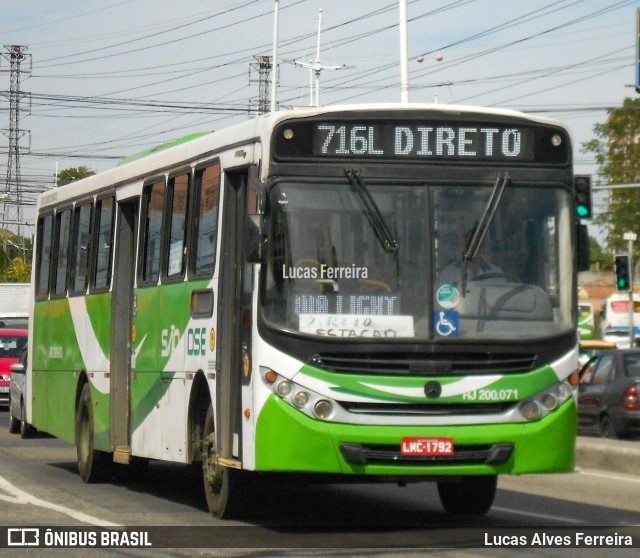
586, 320
292, 298
615, 318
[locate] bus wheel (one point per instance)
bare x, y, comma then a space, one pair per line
473, 495
93, 465
221, 484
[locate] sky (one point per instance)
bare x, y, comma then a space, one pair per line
103, 79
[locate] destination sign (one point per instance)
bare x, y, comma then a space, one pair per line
424, 141
421, 140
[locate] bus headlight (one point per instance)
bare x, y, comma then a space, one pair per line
312, 404
530, 410
549, 401
301, 398
546, 401
323, 409
284, 388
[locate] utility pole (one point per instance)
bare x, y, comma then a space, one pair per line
274, 56
263, 66
315, 68
12, 195
404, 53
630, 237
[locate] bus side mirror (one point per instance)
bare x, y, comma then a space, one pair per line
254, 239
584, 257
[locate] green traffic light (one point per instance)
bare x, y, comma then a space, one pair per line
582, 210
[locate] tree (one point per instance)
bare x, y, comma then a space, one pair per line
15, 257
19, 271
66, 176
617, 150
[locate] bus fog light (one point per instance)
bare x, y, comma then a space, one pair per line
284, 388
530, 410
323, 409
301, 398
549, 401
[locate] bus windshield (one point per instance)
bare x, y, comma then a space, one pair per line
329, 275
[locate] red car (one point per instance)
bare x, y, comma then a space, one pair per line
12, 341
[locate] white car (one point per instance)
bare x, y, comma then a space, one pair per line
17, 394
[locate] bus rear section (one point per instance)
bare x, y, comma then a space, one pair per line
586, 321
615, 319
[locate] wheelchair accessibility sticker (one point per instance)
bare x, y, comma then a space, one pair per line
445, 324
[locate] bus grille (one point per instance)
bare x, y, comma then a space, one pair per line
370, 454
426, 409
431, 365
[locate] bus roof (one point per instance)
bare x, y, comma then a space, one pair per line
256, 130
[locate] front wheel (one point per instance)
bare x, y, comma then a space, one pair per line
225, 488
472, 495
93, 465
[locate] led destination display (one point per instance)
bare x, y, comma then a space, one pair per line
420, 141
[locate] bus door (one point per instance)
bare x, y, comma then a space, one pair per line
231, 331
121, 312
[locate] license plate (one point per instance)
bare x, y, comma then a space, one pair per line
426, 446
4, 389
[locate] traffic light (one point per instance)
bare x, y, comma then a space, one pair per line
582, 188
623, 273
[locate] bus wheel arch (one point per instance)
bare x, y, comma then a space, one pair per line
93, 465
199, 401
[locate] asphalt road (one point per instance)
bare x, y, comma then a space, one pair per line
39, 485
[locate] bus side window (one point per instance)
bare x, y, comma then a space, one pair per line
153, 200
205, 222
103, 243
63, 230
43, 263
178, 202
80, 255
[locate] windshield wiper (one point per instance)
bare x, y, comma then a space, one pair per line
480, 230
373, 213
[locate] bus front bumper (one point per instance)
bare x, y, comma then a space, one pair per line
289, 441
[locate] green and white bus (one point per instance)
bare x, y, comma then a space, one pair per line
349, 294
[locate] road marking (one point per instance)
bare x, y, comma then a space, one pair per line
537, 515
623, 478
18, 496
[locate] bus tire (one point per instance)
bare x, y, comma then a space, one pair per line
473, 495
222, 485
93, 465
